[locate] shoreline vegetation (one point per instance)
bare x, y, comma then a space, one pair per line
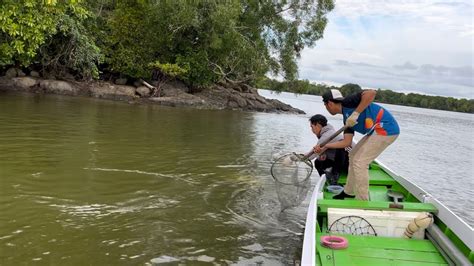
206, 54
215, 52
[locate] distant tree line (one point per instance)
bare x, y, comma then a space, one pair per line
383, 96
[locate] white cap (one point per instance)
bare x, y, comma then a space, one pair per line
333, 95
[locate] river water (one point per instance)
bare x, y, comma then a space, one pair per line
91, 182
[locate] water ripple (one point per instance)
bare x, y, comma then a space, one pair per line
174, 176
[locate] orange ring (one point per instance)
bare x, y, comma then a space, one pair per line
334, 242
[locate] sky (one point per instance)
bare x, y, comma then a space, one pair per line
415, 46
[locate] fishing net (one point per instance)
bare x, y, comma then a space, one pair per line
353, 225
291, 173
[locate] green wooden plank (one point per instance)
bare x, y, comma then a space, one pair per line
358, 261
390, 243
369, 250
378, 193
377, 177
324, 204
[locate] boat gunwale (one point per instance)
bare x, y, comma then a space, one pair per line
309, 250
459, 227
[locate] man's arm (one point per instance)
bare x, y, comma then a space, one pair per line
346, 142
368, 97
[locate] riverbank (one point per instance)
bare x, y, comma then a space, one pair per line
174, 93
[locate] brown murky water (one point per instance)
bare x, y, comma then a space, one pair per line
92, 182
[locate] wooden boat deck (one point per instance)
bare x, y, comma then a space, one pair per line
376, 250
383, 250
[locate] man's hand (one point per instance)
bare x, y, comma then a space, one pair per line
352, 119
317, 149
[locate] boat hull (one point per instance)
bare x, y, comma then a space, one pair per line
448, 241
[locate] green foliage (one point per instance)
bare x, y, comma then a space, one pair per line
72, 49
165, 72
26, 24
170, 70
128, 43
199, 74
286, 27
349, 88
219, 40
295, 86
425, 101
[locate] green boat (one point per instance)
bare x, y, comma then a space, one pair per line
373, 232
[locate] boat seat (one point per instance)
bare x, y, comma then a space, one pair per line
324, 204
387, 223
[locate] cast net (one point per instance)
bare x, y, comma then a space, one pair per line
353, 225
291, 173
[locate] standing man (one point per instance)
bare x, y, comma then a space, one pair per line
332, 162
375, 122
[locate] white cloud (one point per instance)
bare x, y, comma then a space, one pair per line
407, 65
402, 45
